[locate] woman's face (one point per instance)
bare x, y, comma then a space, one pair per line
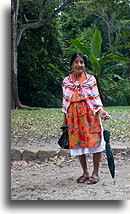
78, 65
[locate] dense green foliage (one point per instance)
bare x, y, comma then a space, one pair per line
40, 84
103, 72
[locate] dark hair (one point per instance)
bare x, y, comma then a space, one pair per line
78, 54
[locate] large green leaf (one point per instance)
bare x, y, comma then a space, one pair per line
96, 43
111, 57
118, 76
59, 73
80, 46
95, 64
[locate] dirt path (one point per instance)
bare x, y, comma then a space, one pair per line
55, 179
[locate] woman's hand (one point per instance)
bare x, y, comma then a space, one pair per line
103, 114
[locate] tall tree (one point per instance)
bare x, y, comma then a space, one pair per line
17, 31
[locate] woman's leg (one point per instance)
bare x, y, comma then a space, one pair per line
96, 163
95, 174
85, 176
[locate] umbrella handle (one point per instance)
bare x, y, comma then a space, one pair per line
109, 116
104, 124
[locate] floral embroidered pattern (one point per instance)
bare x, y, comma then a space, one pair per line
84, 127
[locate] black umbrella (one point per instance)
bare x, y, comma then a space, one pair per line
109, 153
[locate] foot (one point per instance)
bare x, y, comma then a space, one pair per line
93, 180
82, 178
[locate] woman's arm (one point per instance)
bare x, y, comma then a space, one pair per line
65, 120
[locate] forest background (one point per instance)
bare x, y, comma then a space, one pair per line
44, 52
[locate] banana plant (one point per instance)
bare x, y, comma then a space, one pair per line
58, 73
104, 74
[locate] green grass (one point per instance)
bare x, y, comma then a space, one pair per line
119, 124
36, 124
46, 123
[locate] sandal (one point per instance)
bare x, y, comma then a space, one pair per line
93, 180
82, 179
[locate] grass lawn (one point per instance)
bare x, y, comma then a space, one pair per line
46, 123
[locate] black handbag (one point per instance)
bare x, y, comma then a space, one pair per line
63, 140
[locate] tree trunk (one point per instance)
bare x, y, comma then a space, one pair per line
15, 39
15, 102
14, 86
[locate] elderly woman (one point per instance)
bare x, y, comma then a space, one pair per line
82, 109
